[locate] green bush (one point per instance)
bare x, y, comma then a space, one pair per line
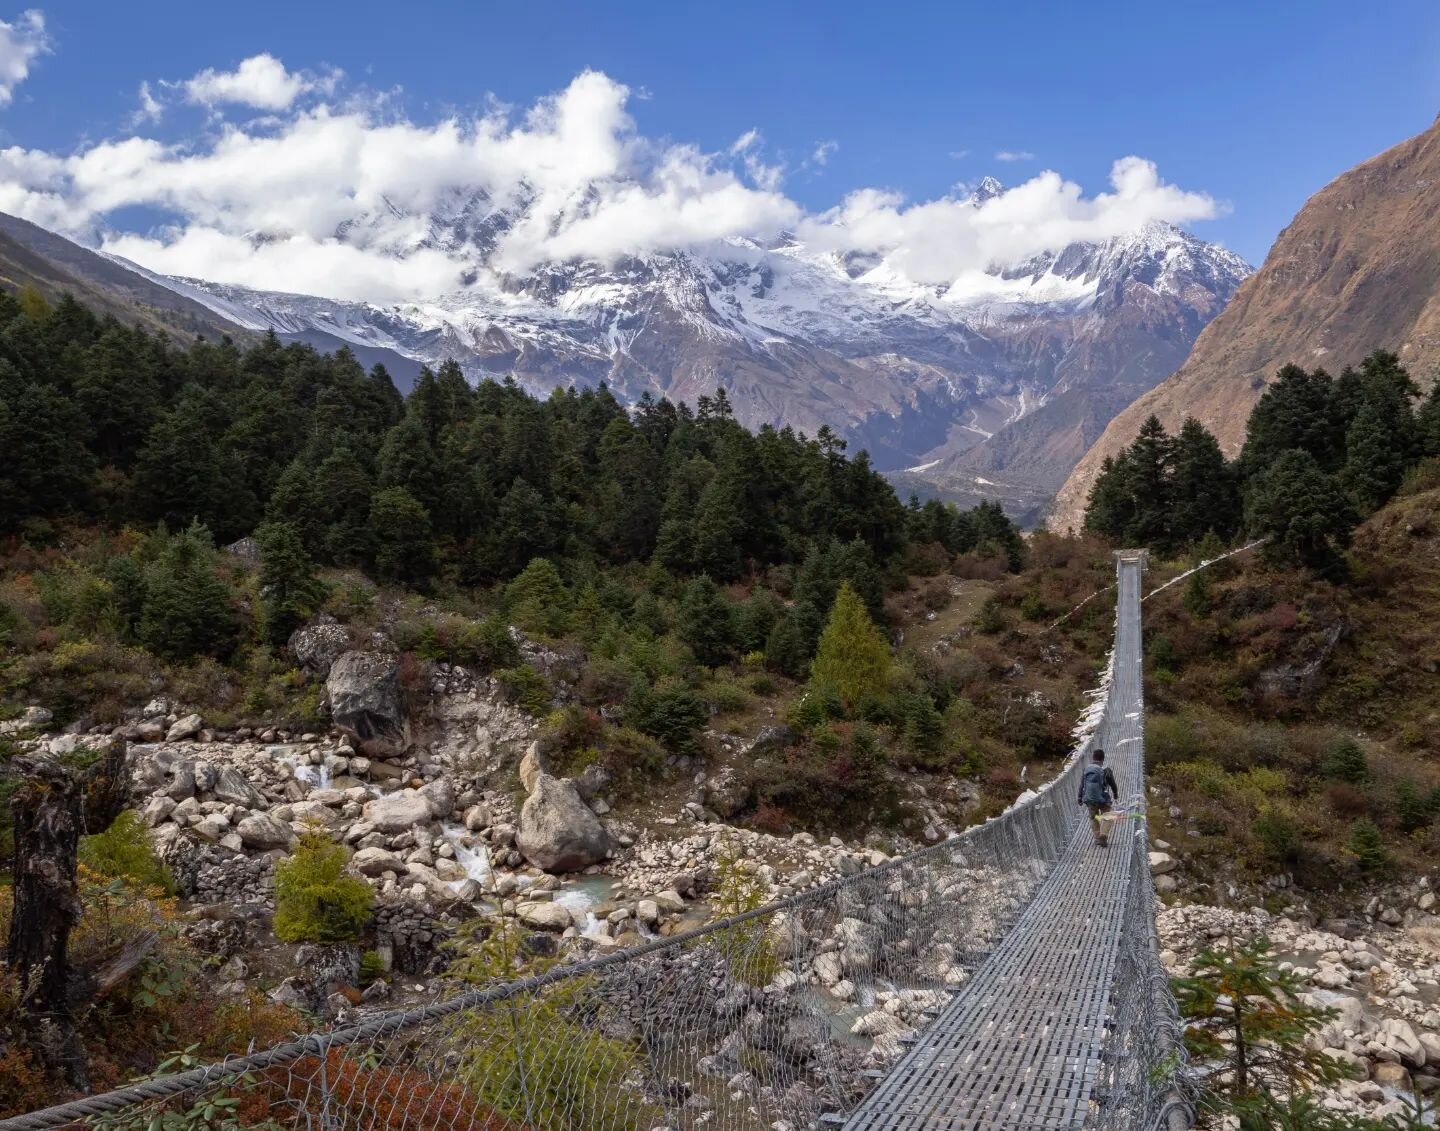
725, 696
1367, 847
1032, 607
315, 900
124, 852
1346, 762
1413, 809
1277, 835
673, 716
526, 688
991, 618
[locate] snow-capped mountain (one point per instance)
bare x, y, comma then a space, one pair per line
994, 384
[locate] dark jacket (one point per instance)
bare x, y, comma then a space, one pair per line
1111, 786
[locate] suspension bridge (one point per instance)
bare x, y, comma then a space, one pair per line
1006, 979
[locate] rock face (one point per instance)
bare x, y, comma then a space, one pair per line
364, 691
558, 831
1358, 269
316, 647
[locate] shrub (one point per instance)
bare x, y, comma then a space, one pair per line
725, 696
526, 688
1413, 809
1367, 847
315, 900
1032, 606
991, 617
1347, 800
673, 716
538, 599
1346, 763
124, 852
372, 967
1277, 836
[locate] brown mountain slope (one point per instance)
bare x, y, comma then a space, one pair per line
54, 265
1358, 269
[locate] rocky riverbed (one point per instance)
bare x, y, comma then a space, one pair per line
1380, 972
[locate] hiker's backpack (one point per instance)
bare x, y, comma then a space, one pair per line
1092, 786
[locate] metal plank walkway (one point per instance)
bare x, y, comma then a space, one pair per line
1019, 1048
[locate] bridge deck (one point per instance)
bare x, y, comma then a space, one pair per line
1019, 1048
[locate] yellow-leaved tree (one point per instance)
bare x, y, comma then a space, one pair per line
853, 660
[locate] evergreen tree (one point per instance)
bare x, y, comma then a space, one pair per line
1203, 488
1247, 1025
853, 659
1298, 508
1196, 598
46, 469
1298, 411
1151, 460
186, 611
1110, 509
289, 590
789, 645
707, 623
407, 460
1366, 847
1375, 459
404, 549
1346, 762
538, 600
718, 527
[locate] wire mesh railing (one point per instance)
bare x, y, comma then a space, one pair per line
782, 1017
1143, 1085
770, 1018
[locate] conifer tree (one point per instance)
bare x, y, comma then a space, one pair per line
289, 590
1375, 461
853, 659
538, 600
1297, 411
707, 623
1298, 508
186, 610
1203, 488
404, 549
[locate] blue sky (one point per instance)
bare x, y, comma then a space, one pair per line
1255, 105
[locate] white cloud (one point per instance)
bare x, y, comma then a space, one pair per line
822, 152
1014, 155
21, 43
957, 154
941, 241
151, 109
355, 201
260, 81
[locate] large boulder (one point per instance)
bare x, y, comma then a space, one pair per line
262, 831
558, 831
316, 647
376, 862
543, 916
399, 811
364, 693
232, 787
181, 729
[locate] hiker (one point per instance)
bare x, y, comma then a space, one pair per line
1098, 789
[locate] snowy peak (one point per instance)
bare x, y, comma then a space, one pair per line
922, 375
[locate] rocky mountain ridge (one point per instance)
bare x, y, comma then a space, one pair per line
1358, 269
